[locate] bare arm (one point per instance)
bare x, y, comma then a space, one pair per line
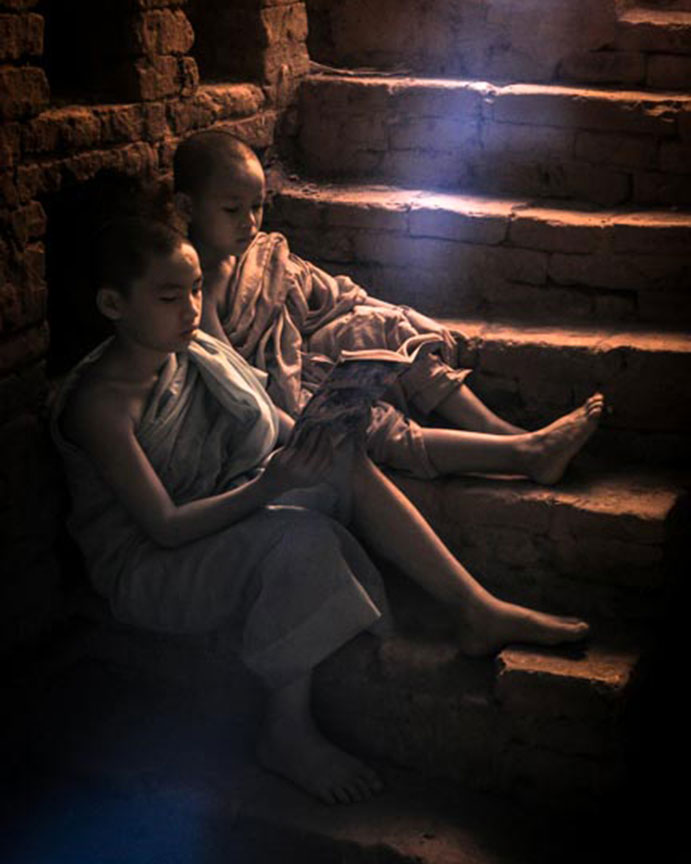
106, 433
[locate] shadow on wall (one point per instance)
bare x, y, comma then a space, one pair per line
75, 215
83, 50
237, 55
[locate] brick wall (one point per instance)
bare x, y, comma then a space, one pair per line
87, 88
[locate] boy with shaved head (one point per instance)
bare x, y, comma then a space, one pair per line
292, 319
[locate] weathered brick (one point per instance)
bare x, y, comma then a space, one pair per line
452, 100
367, 218
625, 272
20, 36
604, 67
675, 158
10, 138
284, 60
643, 30
650, 187
63, 130
154, 121
432, 133
605, 148
669, 72
575, 108
158, 77
23, 92
23, 349
284, 23
663, 235
18, 5
9, 193
555, 232
469, 227
120, 123
533, 142
28, 222
164, 31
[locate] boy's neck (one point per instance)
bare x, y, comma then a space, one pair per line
133, 362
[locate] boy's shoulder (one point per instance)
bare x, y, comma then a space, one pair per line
94, 403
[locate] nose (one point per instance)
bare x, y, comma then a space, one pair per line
193, 306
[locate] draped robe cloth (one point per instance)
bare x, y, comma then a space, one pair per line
292, 580
292, 319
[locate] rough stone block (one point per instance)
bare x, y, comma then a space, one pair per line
532, 142
64, 129
162, 76
18, 5
555, 231
431, 133
23, 92
675, 157
367, 218
163, 31
10, 138
651, 187
669, 72
20, 36
287, 60
469, 227
662, 235
646, 30
451, 100
284, 23
627, 151
27, 223
583, 109
626, 272
23, 349
604, 67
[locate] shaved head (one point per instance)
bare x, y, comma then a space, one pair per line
205, 156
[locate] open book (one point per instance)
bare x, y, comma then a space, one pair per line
343, 400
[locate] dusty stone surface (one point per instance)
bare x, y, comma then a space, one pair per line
474, 254
477, 38
522, 139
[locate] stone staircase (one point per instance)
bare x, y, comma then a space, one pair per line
549, 225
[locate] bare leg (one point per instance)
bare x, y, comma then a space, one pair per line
395, 529
463, 408
291, 745
542, 455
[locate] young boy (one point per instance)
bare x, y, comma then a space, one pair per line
291, 319
183, 508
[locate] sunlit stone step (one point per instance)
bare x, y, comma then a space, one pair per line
603, 146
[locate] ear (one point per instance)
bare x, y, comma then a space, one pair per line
109, 303
183, 206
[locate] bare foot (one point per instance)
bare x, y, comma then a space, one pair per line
487, 629
554, 446
300, 753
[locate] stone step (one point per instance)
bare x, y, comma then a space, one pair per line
534, 140
652, 49
532, 374
143, 775
599, 545
536, 725
454, 254
662, 31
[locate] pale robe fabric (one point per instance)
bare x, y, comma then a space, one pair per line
292, 319
298, 584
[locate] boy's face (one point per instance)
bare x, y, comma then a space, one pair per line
226, 216
163, 307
